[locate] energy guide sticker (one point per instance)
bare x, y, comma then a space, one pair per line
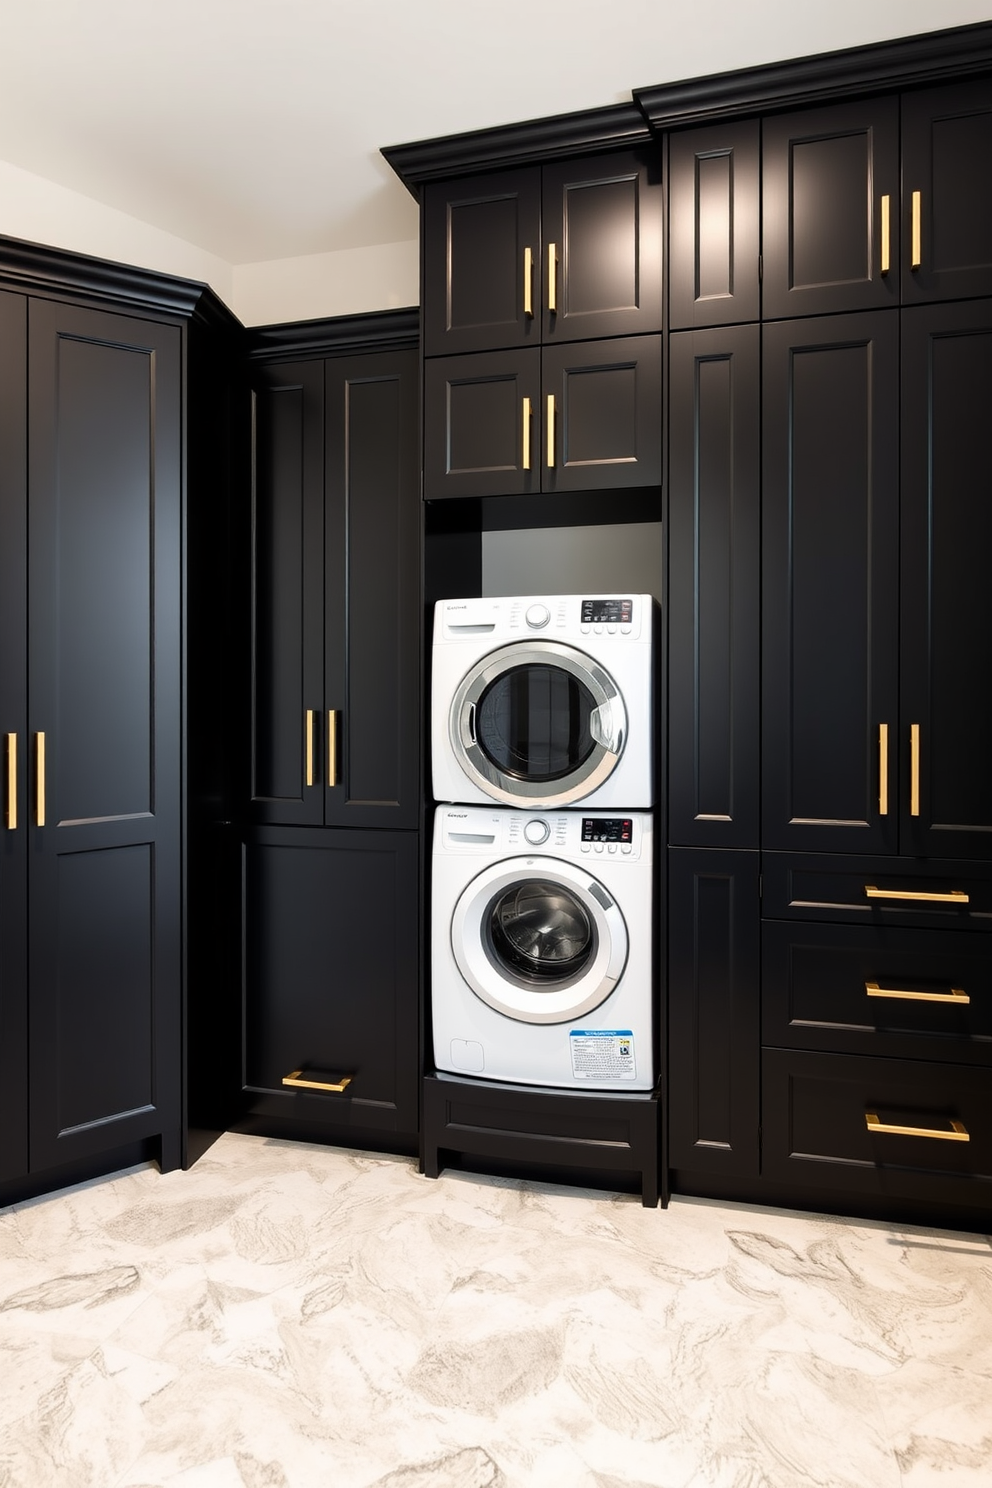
602, 1054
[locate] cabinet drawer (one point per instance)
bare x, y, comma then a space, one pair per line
877, 890
874, 990
816, 1112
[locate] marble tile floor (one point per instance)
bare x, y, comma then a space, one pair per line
287, 1316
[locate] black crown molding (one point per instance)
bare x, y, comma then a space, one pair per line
936, 56
37, 269
378, 330
568, 135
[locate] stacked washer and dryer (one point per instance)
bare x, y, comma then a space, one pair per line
542, 892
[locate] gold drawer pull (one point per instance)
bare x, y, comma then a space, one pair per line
309, 746
956, 994
39, 783
332, 748
917, 258
11, 782
914, 769
525, 462
956, 1134
883, 769
885, 235
953, 896
553, 278
529, 282
551, 431
303, 1080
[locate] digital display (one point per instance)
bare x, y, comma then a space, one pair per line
607, 829
607, 611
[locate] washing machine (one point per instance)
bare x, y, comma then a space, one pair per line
541, 958
544, 701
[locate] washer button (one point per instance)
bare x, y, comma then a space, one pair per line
537, 831
538, 616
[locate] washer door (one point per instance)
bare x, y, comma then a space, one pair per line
537, 722
539, 939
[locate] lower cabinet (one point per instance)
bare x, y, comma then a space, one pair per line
331, 983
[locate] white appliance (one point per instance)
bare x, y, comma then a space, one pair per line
541, 958
544, 700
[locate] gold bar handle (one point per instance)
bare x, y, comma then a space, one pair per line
332, 748
883, 769
552, 279
953, 896
309, 746
551, 431
956, 1134
956, 994
528, 281
11, 814
525, 461
917, 258
39, 783
886, 201
914, 769
303, 1080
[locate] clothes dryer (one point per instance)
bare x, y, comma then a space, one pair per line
542, 947
544, 701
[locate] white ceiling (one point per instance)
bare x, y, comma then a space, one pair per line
252, 128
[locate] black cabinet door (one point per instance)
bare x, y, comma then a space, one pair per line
105, 719
287, 703
713, 591
830, 206
947, 204
945, 804
713, 1012
483, 425
331, 975
371, 768
714, 225
601, 403
601, 266
830, 537
13, 736
482, 262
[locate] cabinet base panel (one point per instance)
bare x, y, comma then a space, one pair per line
85, 1170
353, 1138
524, 1131
755, 1192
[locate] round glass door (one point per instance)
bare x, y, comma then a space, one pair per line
539, 939
540, 722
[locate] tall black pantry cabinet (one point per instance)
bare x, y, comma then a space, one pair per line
330, 865
95, 730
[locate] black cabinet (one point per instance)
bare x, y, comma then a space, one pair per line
579, 417
713, 590
714, 226
335, 593
564, 252
91, 959
947, 207
331, 926
713, 1014
830, 209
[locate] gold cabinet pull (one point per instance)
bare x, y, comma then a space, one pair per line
956, 1134
551, 431
528, 281
332, 747
953, 896
883, 769
914, 769
552, 279
903, 994
309, 746
39, 778
306, 1080
526, 434
11, 812
917, 258
886, 201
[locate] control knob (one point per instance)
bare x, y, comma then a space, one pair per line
537, 616
537, 831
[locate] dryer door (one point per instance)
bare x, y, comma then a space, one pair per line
539, 722
539, 940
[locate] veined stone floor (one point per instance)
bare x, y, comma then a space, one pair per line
288, 1316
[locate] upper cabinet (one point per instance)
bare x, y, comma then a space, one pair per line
568, 251
714, 226
830, 208
947, 204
